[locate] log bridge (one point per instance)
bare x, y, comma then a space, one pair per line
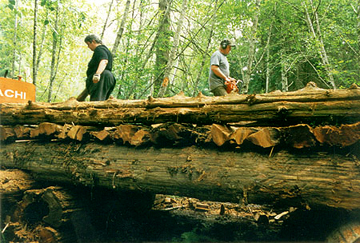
298, 148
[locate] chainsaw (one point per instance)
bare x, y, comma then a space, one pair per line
234, 86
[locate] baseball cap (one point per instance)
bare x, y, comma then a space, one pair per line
226, 42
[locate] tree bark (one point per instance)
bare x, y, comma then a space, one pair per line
309, 105
174, 134
162, 44
34, 41
55, 35
173, 51
282, 177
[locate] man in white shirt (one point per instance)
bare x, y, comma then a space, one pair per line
219, 75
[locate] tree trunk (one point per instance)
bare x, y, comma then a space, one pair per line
284, 79
162, 45
150, 52
173, 51
267, 82
55, 35
107, 19
121, 28
312, 178
52, 214
34, 41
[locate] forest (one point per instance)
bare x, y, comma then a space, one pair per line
280, 45
164, 161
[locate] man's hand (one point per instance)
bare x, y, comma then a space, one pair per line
96, 78
229, 80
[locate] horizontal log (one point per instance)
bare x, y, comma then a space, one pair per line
275, 177
308, 105
53, 214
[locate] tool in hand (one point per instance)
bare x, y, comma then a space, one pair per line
234, 86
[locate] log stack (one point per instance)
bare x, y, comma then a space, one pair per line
298, 148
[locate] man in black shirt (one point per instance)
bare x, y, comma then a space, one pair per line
100, 82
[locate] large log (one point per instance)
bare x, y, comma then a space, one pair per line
51, 214
331, 179
309, 105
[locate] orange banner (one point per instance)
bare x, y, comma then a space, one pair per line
16, 91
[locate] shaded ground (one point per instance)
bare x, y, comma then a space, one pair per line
108, 216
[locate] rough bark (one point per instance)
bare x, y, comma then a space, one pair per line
281, 177
310, 105
162, 44
173, 50
54, 60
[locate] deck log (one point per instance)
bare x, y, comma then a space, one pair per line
271, 177
309, 105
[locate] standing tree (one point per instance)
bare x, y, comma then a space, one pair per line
54, 63
173, 51
34, 42
162, 44
121, 28
107, 19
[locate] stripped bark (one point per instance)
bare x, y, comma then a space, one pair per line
173, 134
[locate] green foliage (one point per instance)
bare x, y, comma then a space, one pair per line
283, 45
